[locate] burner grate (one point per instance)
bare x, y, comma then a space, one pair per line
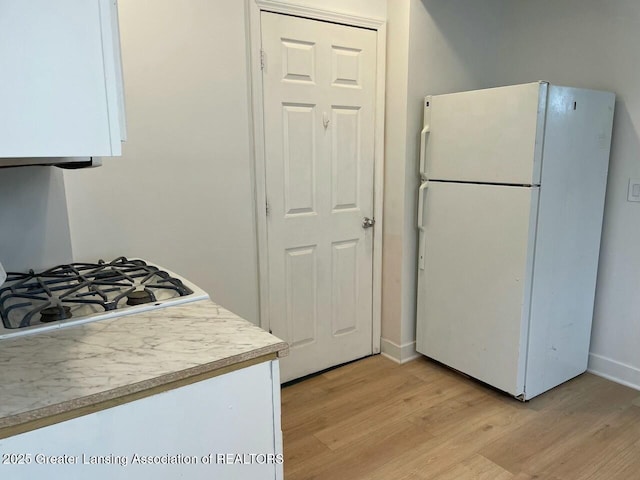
81, 289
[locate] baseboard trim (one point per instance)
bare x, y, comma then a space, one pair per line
398, 353
615, 371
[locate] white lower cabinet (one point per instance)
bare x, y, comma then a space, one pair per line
226, 427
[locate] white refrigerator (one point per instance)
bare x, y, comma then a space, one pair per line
509, 218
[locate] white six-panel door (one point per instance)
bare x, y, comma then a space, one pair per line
319, 86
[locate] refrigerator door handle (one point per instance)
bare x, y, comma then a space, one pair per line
421, 192
423, 150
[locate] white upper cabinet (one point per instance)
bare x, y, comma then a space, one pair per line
61, 90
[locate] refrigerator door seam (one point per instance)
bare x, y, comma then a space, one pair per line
528, 294
526, 185
543, 94
540, 135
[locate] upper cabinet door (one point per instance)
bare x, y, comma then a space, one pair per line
486, 136
61, 89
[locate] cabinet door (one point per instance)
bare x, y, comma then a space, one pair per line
223, 428
59, 81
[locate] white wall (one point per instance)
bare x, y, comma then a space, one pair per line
394, 177
34, 227
594, 44
434, 46
182, 193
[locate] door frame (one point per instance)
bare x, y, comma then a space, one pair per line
254, 9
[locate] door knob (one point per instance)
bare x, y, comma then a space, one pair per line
368, 222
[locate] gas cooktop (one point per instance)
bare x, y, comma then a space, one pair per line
82, 292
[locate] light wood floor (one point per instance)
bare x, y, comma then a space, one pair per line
377, 420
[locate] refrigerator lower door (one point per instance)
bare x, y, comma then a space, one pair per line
474, 290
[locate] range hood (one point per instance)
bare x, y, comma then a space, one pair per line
62, 162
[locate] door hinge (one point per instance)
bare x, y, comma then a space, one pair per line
266, 207
262, 59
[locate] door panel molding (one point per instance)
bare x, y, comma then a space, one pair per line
254, 9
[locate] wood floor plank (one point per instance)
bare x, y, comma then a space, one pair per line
625, 465
343, 406
341, 398
376, 420
360, 369
466, 437
476, 467
617, 433
449, 418
362, 459
299, 450
394, 407
547, 439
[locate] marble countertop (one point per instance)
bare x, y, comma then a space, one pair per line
71, 369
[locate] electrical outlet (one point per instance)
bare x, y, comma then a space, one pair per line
634, 190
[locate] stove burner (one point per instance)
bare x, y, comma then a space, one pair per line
107, 274
82, 290
55, 314
138, 297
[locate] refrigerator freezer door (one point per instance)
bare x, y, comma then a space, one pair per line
474, 291
487, 136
